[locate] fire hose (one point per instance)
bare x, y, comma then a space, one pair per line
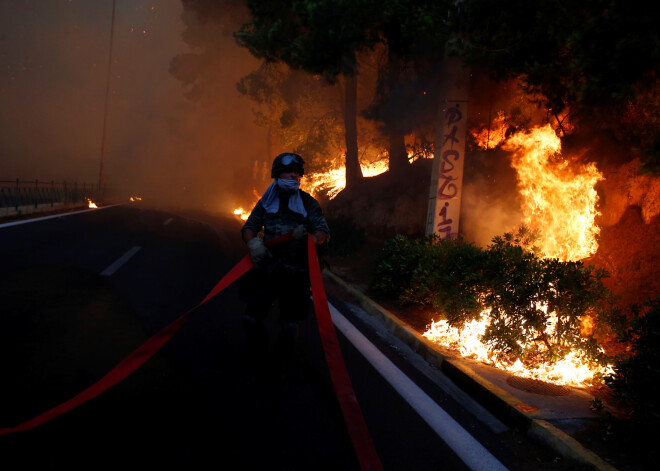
357, 428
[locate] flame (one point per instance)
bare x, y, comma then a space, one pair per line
572, 370
559, 194
333, 181
91, 204
559, 198
494, 135
135, 198
242, 214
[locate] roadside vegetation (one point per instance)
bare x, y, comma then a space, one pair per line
539, 308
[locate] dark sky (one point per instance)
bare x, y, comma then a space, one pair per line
53, 66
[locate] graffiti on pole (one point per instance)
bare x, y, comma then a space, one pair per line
445, 204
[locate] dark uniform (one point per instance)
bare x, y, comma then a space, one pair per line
284, 275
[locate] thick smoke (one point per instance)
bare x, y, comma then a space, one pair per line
490, 204
160, 145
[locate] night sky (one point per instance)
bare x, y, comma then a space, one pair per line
53, 69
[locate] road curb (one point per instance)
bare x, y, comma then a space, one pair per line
504, 405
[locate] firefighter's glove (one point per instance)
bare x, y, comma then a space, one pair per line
299, 232
258, 251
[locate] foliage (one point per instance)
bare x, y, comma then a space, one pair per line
319, 36
579, 52
636, 379
303, 111
509, 281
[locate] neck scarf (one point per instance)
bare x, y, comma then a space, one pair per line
271, 197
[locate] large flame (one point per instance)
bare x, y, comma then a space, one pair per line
559, 199
558, 193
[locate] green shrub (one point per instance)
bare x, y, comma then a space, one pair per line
509, 280
636, 379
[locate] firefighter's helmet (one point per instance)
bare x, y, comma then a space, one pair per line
285, 162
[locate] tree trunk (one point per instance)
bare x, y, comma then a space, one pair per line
353, 170
398, 153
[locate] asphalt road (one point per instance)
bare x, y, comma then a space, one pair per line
69, 313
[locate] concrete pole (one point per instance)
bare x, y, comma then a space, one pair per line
105, 109
444, 208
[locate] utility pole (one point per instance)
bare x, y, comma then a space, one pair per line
107, 98
447, 175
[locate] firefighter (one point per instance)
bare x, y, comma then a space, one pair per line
281, 271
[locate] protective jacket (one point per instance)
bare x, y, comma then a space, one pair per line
291, 256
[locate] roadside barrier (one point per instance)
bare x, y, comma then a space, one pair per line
357, 428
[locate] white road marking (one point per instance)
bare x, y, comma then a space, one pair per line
168, 221
120, 261
25, 221
468, 449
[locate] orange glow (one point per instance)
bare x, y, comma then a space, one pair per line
91, 204
135, 198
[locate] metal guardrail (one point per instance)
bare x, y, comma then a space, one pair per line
17, 196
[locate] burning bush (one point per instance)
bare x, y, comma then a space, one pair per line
636, 379
532, 310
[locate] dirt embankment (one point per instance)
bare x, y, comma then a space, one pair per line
629, 240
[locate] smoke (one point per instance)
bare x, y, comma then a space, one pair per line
489, 204
160, 145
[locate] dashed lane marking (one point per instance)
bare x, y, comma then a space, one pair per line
120, 261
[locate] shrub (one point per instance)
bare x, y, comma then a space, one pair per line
536, 306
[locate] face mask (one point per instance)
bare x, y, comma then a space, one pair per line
290, 186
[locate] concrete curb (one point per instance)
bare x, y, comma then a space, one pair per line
502, 404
